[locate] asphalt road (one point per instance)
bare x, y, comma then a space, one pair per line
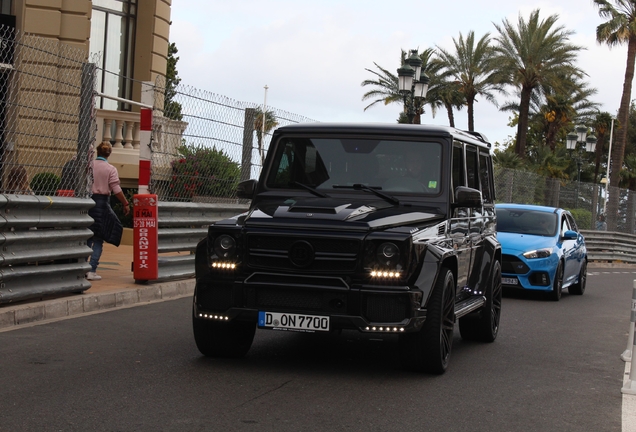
554, 367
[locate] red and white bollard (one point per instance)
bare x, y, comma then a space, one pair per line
627, 354
145, 234
630, 384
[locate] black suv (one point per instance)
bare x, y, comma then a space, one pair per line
378, 228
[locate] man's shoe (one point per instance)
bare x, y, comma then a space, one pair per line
92, 276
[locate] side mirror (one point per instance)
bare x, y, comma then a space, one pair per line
570, 235
246, 189
467, 197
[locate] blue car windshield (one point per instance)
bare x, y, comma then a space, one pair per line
530, 222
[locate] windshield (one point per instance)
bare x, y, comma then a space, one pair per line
526, 222
330, 164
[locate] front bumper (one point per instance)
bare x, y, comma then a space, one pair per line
531, 274
367, 308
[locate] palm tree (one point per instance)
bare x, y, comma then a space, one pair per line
470, 67
619, 28
563, 106
270, 123
535, 52
385, 84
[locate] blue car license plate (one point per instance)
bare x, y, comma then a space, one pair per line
509, 281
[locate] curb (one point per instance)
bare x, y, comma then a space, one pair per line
89, 303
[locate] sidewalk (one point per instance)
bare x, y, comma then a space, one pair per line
117, 288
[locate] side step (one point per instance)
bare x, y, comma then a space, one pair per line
469, 305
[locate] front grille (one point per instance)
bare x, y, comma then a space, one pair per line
218, 298
329, 254
298, 300
512, 264
386, 308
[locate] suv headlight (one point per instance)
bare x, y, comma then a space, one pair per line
388, 255
539, 253
224, 246
224, 252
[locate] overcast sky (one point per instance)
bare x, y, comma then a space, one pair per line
312, 54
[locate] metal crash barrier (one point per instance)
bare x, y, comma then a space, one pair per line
182, 225
43, 241
610, 246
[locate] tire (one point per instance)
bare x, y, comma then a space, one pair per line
429, 349
579, 287
557, 285
484, 325
223, 339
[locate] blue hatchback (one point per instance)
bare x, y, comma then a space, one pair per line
542, 249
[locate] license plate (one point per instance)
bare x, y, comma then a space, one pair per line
510, 281
293, 322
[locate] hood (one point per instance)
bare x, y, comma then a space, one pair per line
514, 242
351, 214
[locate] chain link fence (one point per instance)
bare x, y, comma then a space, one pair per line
203, 144
586, 201
46, 124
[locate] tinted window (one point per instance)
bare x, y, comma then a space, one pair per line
334, 164
458, 166
484, 176
472, 167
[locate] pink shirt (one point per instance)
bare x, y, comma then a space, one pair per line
105, 178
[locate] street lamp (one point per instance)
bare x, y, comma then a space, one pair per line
572, 140
412, 84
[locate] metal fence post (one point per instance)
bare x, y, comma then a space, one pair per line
627, 354
248, 143
86, 129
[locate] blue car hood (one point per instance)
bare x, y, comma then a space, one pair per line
512, 242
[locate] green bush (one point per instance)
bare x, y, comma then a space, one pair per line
45, 183
203, 171
582, 217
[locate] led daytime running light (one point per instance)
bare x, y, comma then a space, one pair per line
224, 265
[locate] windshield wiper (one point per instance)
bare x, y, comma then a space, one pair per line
310, 189
373, 189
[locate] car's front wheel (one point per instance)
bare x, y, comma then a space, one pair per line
429, 349
484, 325
579, 287
557, 285
223, 339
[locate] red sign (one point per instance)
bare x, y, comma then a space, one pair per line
145, 119
145, 237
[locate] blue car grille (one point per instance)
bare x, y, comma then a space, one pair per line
512, 264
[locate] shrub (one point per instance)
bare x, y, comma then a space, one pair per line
582, 217
45, 183
203, 172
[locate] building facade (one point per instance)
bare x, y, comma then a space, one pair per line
127, 40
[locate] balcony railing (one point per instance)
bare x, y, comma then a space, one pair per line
121, 128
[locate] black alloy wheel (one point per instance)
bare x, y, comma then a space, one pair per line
557, 285
483, 326
223, 339
429, 349
579, 287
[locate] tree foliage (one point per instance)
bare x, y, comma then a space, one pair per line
171, 108
202, 171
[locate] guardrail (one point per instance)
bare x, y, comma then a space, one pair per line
181, 225
43, 246
610, 246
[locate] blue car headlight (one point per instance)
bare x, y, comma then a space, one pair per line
539, 253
